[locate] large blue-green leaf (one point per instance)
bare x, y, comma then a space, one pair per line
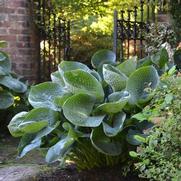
103, 57
140, 84
160, 58
32, 126
13, 126
113, 77
44, 94
77, 110
128, 66
79, 81
56, 77
27, 144
66, 66
117, 101
59, 149
105, 144
42, 114
114, 125
13, 84
5, 64
32, 122
6, 99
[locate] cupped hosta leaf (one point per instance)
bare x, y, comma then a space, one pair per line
103, 57
6, 100
116, 103
79, 81
56, 77
66, 66
104, 144
128, 66
13, 84
113, 77
13, 126
3, 56
59, 149
140, 84
32, 122
42, 114
160, 58
114, 125
77, 110
44, 94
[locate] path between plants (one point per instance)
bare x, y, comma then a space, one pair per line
28, 168
33, 168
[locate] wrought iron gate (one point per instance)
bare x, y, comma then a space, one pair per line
129, 32
54, 34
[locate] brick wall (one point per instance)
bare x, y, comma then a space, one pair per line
17, 28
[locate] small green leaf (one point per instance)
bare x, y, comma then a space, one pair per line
132, 135
133, 154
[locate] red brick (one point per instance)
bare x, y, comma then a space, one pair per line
17, 28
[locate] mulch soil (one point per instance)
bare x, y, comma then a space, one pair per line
70, 173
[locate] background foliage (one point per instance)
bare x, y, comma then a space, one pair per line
160, 157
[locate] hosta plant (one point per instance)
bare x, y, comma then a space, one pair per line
86, 114
9, 83
11, 88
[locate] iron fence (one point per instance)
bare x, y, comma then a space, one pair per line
129, 30
54, 34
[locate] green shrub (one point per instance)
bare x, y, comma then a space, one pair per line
11, 88
86, 107
160, 157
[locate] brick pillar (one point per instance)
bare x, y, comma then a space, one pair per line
18, 29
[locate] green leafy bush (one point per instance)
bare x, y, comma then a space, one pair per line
159, 157
82, 106
11, 88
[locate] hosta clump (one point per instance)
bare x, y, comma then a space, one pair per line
10, 86
83, 106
